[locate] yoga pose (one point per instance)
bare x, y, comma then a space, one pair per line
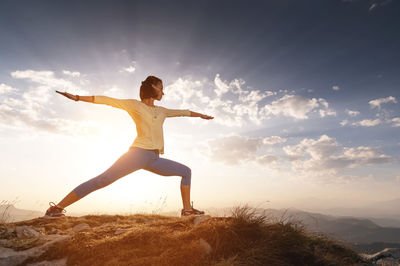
145, 150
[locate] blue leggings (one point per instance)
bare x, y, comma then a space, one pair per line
135, 159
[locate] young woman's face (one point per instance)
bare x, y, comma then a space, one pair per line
159, 90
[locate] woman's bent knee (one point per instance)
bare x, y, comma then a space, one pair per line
186, 177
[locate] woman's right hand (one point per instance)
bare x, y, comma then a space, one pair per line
69, 95
206, 117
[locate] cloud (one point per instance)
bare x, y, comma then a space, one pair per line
326, 111
395, 121
30, 108
353, 157
235, 149
232, 149
324, 158
114, 91
26, 117
184, 89
377, 103
371, 123
335, 88
372, 4
344, 122
221, 87
46, 78
367, 123
267, 160
378, 3
273, 140
71, 74
190, 95
297, 107
236, 87
245, 106
37, 96
292, 106
234, 104
228, 102
352, 113
129, 69
318, 149
5, 89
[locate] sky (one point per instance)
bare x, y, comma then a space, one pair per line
304, 94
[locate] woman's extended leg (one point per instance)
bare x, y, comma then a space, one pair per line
68, 200
129, 162
168, 167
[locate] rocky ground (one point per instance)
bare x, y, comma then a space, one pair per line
241, 239
28, 240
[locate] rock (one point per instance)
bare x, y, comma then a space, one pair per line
175, 233
142, 220
41, 230
387, 262
60, 262
200, 219
10, 257
4, 252
120, 231
207, 248
393, 253
26, 232
107, 224
6, 232
81, 227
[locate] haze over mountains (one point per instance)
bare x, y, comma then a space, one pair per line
383, 213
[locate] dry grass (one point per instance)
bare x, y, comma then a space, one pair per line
244, 238
5, 215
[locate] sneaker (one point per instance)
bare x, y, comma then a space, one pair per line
191, 211
54, 212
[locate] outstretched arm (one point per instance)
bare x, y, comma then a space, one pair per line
194, 114
77, 97
186, 112
124, 104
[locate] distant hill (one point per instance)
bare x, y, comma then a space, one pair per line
9, 213
386, 213
349, 229
389, 205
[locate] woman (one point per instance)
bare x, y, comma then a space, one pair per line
145, 150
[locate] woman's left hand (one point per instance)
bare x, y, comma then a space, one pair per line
206, 117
